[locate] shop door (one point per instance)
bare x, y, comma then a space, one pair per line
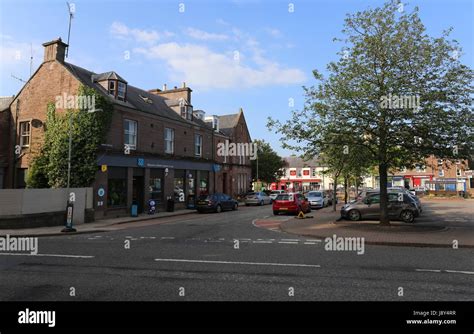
138, 192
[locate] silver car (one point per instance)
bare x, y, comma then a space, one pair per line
275, 193
400, 206
257, 198
317, 199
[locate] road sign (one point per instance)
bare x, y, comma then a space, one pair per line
103, 168
101, 192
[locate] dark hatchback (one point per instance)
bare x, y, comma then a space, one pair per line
217, 202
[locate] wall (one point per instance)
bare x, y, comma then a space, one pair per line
15, 202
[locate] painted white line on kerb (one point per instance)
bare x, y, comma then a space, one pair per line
52, 255
241, 263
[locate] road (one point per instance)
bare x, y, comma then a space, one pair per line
195, 257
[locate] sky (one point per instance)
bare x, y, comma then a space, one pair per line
249, 54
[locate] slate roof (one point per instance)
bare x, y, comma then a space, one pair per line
137, 98
294, 161
5, 102
227, 123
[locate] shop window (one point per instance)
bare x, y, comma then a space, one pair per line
117, 194
179, 185
203, 183
155, 185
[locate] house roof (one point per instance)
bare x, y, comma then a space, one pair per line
294, 161
5, 102
108, 76
227, 123
137, 98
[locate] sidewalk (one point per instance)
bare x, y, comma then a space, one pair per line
326, 223
101, 225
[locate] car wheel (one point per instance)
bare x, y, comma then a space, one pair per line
261, 203
407, 216
235, 206
218, 208
276, 212
354, 215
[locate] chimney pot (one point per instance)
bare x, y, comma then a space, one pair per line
184, 84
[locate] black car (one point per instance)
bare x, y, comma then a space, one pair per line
216, 203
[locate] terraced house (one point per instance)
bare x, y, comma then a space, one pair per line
170, 148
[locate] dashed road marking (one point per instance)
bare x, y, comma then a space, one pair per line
446, 271
241, 263
52, 255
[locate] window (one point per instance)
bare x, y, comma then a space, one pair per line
156, 184
182, 109
169, 141
306, 172
459, 172
130, 134
204, 183
375, 199
112, 87
440, 172
179, 185
440, 162
313, 172
198, 145
299, 172
117, 187
121, 91
25, 131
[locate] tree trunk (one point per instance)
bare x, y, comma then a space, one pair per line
384, 220
334, 194
345, 189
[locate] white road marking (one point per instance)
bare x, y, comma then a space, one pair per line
310, 243
460, 272
241, 263
290, 239
314, 240
167, 238
52, 255
262, 242
288, 242
447, 271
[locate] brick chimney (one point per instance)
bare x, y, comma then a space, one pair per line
54, 50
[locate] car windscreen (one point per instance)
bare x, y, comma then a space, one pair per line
315, 194
205, 197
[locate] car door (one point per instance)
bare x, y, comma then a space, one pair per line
395, 204
372, 206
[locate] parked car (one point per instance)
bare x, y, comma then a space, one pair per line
365, 193
369, 207
275, 193
216, 202
317, 199
257, 198
329, 195
291, 202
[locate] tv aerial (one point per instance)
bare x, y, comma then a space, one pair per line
71, 9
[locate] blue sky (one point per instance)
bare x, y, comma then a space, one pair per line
248, 53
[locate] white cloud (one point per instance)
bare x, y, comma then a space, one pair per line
205, 36
273, 32
206, 69
120, 30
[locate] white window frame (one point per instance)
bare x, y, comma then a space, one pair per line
169, 140
458, 172
26, 135
198, 145
127, 132
440, 172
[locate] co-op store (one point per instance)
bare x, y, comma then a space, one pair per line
121, 181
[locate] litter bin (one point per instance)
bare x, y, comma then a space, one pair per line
134, 209
170, 205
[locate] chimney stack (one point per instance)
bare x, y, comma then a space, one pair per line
164, 87
184, 84
55, 50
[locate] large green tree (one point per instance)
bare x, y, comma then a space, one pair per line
49, 167
269, 163
395, 91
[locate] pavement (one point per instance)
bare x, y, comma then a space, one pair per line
101, 225
431, 229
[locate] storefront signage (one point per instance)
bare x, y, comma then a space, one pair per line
103, 168
158, 166
141, 162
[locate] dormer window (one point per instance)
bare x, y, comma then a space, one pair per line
112, 87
